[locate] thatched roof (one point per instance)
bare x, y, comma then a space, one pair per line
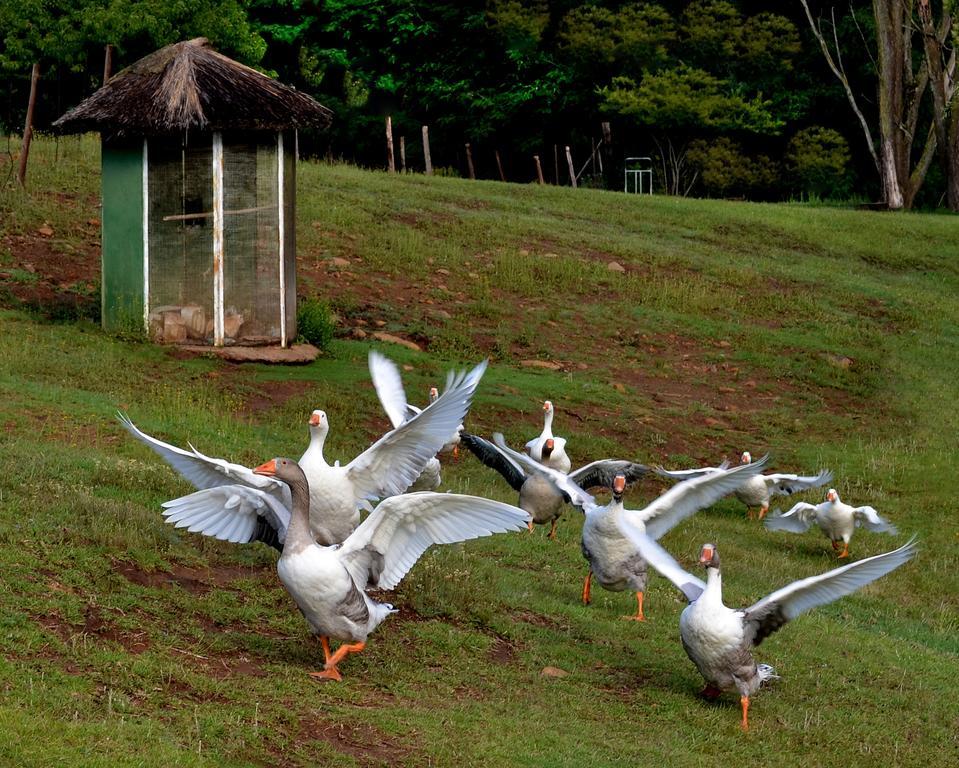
189, 86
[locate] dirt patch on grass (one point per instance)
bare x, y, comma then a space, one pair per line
367, 745
502, 651
197, 581
97, 626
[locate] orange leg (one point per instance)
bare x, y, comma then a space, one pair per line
639, 615
330, 672
749, 513
744, 701
530, 525
552, 531
587, 586
845, 550
763, 511
456, 452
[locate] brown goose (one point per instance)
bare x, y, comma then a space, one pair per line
719, 640
538, 494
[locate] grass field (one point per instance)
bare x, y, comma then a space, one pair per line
826, 337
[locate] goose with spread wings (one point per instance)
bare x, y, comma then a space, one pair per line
234, 504
836, 519
719, 640
538, 494
613, 559
329, 584
758, 489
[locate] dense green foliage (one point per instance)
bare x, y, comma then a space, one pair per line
516, 76
315, 323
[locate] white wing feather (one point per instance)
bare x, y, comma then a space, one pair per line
784, 484
228, 512
393, 462
654, 554
796, 520
390, 541
389, 387
688, 497
870, 519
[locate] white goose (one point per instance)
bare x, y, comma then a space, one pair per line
836, 519
453, 444
538, 494
611, 556
719, 640
558, 458
757, 490
329, 583
337, 492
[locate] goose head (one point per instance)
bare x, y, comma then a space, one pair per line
709, 556
547, 451
619, 487
286, 470
548, 407
832, 496
319, 424
746, 458
434, 394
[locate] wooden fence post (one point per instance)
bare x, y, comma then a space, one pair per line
28, 127
539, 170
390, 161
107, 63
572, 171
469, 162
402, 154
499, 164
426, 150
607, 151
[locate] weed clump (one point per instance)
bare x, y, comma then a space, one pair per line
315, 323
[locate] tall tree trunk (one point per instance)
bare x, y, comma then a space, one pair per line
890, 32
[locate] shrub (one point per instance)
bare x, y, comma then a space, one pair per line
724, 170
817, 161
315, 323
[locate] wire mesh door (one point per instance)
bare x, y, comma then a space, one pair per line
180, 239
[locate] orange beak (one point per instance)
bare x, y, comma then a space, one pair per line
706, 555
269, 468
545, 406
619, 484
314, 420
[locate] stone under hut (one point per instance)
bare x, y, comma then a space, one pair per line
199, 197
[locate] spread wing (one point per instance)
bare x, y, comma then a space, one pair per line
688, 497
870, 519
660, 559
389, 387
774, 610
796, 520
573, 493
689, 474
201, 471
393, 462
601, 473
389, 542
234, 513
496, 459
783, 485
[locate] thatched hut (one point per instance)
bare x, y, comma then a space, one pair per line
199, 190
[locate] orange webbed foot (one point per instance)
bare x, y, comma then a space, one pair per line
327, 674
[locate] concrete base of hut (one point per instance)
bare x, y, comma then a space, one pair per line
298, 354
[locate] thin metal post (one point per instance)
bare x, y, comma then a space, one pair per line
146, 236
282, 234
218, 331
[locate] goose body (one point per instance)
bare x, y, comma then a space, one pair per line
235, 504
719, 640
758, 490
835, 519
557, 458
539, 495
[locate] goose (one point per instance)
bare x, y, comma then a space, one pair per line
329, 584
558, 458
452, 445
615, 562
386, 468
389, 388
757, 490
719, 640
538, 494
836, 519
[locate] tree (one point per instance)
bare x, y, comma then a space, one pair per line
902, 95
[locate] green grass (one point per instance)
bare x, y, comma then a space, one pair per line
823, 335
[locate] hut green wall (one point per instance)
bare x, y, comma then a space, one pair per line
122, 232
